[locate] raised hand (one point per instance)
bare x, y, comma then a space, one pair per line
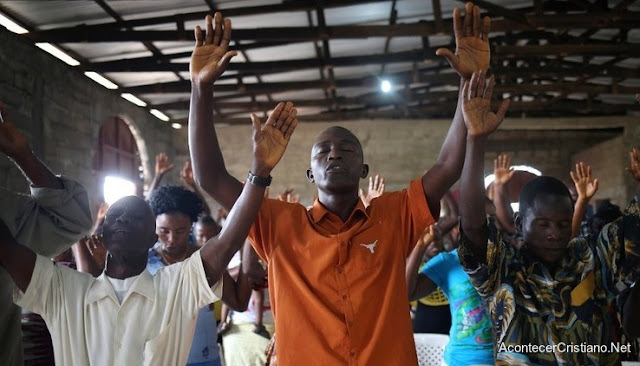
476, 106
163, 165
187, 174
270, 140
634, 167
102, 212
586, 185
472, 42
502, 169
288, 196
12, 142
430, 239
211, 56
376, 189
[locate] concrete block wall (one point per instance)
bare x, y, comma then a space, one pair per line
60, 111
401, 150
605, 160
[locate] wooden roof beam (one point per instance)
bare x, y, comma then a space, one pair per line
84, 33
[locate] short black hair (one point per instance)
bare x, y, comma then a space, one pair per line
170, 199
207, 220
348, 132
605, 213
539, 186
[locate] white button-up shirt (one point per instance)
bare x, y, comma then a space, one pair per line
48, 222
153, 326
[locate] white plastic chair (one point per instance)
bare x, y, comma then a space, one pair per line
430, 348
630, 363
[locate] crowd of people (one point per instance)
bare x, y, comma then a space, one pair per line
552, 284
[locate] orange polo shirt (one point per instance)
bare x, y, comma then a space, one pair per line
337, 289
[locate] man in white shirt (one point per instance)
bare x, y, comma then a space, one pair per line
126, 316
48, 221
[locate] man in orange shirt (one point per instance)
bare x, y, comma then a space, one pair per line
336, 271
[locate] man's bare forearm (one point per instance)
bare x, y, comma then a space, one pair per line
36, 172
219, 250
504, 214
411, 268
446, 171
472, 194
209, 170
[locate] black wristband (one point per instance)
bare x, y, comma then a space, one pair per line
258, 181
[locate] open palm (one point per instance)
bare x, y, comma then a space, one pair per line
472, 42
476, 106
586, 185
270, 141
472, 54
502, 169
634, 167
211, 56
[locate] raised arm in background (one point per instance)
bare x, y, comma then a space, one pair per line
163, 166
89, 252
472, 55
186, 175
419, 285
586, 187
481, 122
376, 189
503, 174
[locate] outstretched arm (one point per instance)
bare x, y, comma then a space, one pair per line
237, 292
163, 166
586, 187
57, 212
472, 54
15, 146
634, 169
503, 174
419, 285
209, 60
481, 122
187, 178
269, 144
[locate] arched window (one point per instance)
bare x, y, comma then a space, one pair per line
522, 176
117, 160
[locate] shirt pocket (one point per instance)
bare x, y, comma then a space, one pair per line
368, 254
156, 350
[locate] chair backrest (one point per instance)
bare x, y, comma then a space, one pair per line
430, 348
630, 363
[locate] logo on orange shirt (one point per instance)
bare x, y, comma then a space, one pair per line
371, 246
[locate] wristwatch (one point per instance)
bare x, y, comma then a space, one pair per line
258, 181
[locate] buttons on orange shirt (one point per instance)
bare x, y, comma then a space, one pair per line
339, 269
344, 297
352, 353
